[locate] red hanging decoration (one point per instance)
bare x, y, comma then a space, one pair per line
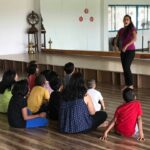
91, 19
80, 18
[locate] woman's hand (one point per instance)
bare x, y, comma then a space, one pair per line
124, 48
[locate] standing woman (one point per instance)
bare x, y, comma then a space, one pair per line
127, 36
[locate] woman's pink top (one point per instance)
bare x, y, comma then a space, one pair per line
127, 39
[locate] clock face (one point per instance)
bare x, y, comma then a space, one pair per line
33, 18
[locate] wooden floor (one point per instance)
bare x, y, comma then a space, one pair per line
49, 138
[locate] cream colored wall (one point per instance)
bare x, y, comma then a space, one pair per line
61, 20
13, 26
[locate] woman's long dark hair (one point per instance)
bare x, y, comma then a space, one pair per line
8, 80
75, 89
128, 28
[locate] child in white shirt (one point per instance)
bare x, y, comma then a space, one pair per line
96, 96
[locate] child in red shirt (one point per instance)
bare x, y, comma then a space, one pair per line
32, 71
127, 117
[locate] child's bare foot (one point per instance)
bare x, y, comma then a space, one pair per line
104, 124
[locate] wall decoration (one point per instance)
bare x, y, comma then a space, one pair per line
86, 14
86, 10
80, 18
91, 19
33, 19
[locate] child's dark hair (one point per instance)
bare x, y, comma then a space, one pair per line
47, 74
32, 62
52, 76
40, 80
55, 84
128, 94
32, 69
20, 88
91, 83
69, 67
8, 80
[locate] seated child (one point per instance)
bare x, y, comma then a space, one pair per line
32, 71
39, 96
8, 80
47, 73
18, 114
55, 98
69, 70
127, 117
96, 96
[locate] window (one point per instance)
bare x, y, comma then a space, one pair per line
120, 11
140, 16
149, 16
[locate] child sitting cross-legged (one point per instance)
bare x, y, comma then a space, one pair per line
127, 120
96, 95
39, 96
55, 99
69, 69
32, 72
19, 116
8, 80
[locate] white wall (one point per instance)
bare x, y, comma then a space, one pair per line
61, 20
146, 33
13, 26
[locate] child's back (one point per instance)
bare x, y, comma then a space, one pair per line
15, 117
38, 95
32, 71
127, 118
127, 115
54, 104
8, 80
96, 96
4, 100
69, 70
55, 98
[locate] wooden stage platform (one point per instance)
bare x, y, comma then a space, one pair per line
105, 67
108, 72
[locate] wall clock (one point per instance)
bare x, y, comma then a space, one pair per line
33, 18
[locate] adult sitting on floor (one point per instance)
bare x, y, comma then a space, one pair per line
77, 113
